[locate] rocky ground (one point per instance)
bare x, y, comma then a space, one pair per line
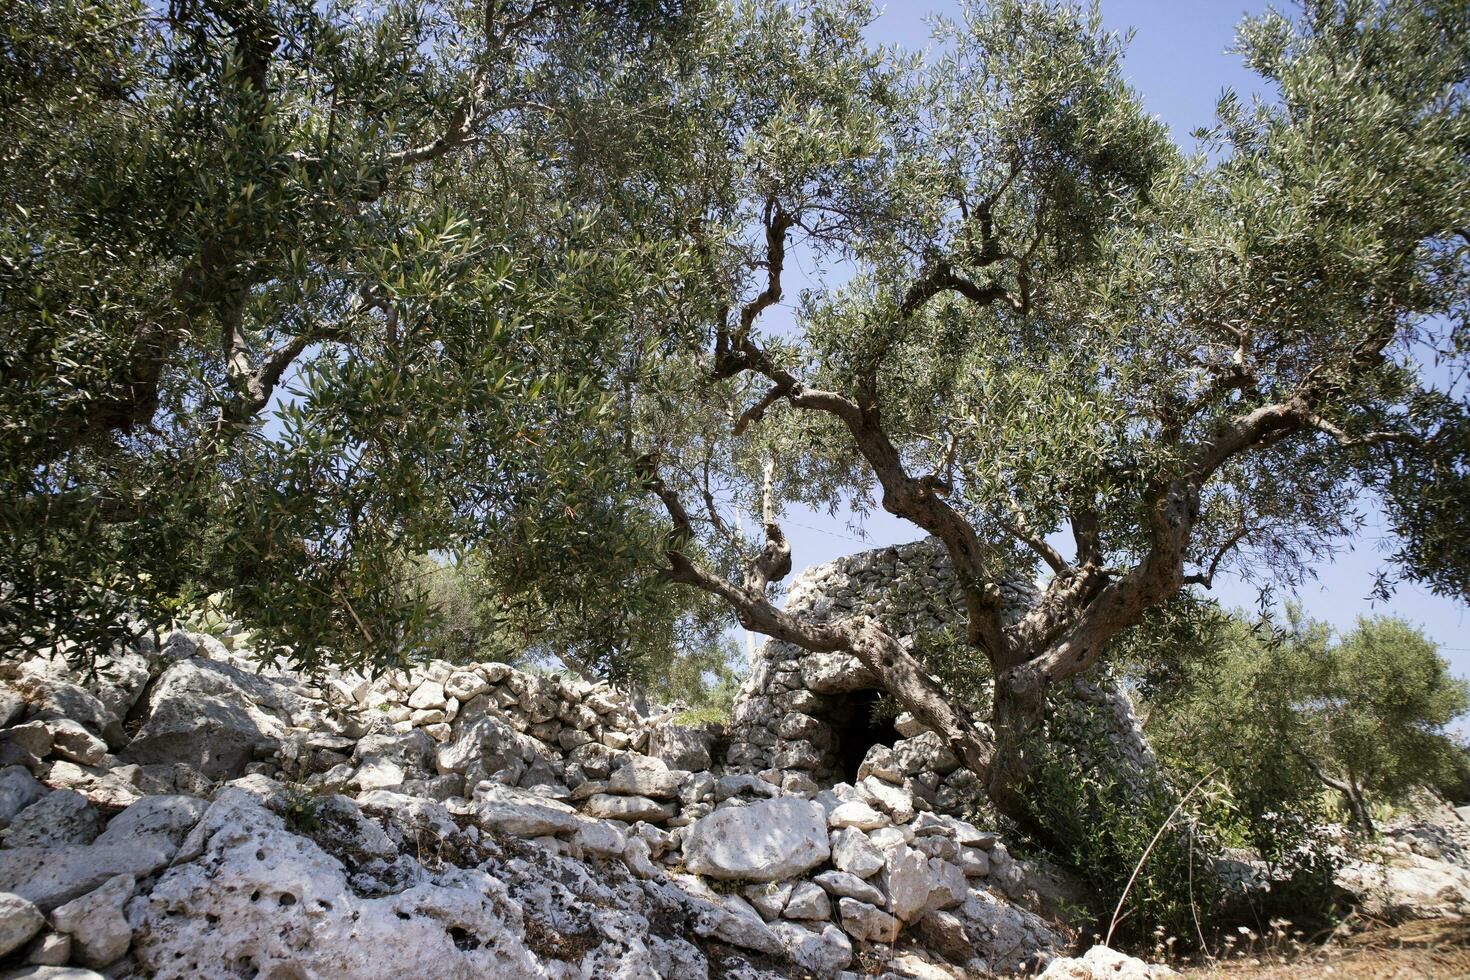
172, 811
176, 813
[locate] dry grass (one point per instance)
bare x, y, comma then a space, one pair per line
1435, 948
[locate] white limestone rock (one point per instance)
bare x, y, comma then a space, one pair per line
766, 841
857, 814
72, 741
52, 876
917, 884
260, 895
606, 806
808, 901
642, 775
160, 822
378, 773
520, 814
429, 694
1103, 963
769, 898
213, 716
59, 818
845, 885
95, 922
682, 747
19, 921
853, 852
898, 803
867, 923
822, 949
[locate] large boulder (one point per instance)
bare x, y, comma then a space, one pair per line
766, 841
52, 876
260, 895
1407, 886
487, 745
215, 717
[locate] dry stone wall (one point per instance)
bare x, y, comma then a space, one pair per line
180, 812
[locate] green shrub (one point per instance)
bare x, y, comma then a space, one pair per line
1099, 820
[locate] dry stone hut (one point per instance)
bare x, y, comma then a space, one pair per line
805, 720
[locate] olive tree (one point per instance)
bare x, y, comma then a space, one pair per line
204, 203
1285, 710
1069, 347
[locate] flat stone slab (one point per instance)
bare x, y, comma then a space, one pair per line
767, 841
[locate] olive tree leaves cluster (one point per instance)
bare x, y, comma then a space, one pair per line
213, 208
1287, 710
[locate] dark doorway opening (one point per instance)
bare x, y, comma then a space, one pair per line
855, 730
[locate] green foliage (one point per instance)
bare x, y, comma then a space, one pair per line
1287, 711
302, 811
230, 207
1102, 815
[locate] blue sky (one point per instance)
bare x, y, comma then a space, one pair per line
1179, 62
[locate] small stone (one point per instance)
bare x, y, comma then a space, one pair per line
99, 931
629, 808
32, 740
974, 862
881, 762
938, 847
429, 694
769, 898
642, 775
19, 921
71, 741
945, 934
854, 853
845, 885
857, 814
867, 923
808, 901
919, 884
824, 950
378, 773
896, 801
464, 684
636, 857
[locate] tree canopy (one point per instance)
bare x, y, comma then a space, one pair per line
522, 260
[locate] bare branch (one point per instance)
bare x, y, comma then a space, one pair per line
1022, 531
1207, 578
1366, 439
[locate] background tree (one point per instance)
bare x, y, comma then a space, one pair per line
1290, 709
